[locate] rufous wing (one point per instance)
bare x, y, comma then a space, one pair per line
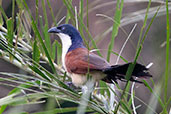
80, 61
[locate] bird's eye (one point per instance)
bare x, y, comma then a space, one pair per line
63, 28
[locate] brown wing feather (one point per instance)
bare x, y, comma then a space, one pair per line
79, 61
97, 61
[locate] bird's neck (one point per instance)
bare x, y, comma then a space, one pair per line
75, 45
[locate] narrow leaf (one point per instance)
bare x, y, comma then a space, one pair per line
117, 18
10, 31
36, 52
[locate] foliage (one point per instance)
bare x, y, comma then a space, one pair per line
41, 84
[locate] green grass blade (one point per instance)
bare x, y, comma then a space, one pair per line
81, 10
38, 71
51, 12
3, 13
42, 28
156, 96
35, 29
45, 29
87, 14
148, 27
53, 51
2, 109
58, 110
36, 52
59, 52
13, 13
37, 11
167, 53
10, 31
81, 13
15, 91
131, 66
117, 18
127, 90
67, 17
143, 39
68, 4
1, 20
144, 25
129, 111
8, 49
37, 33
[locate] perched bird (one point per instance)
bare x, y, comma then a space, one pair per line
78, 61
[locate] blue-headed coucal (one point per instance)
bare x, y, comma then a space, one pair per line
77, 60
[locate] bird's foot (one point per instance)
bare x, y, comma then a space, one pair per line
72, 86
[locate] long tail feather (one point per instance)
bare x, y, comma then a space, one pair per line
118, 72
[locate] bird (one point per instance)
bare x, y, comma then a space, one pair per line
78, 61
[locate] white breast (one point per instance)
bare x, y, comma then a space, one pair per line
66, 43
80, 79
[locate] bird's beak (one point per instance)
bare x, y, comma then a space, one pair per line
54, 30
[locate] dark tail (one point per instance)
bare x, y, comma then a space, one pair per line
118, 72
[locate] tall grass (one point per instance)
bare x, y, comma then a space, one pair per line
41, 84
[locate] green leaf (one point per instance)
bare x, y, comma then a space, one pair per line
45, 29
36, 52
8, 49
10, 34
38, 71
158, 97
1, 20
6, 100
21, 100
58, 110
36, 31
127, 90
54, 51
59, 52
3, 13
15, 91
147, 85
51, 12
117, 18
2, 108
103, 84
10, 31
37, 11
167, 53
126, 107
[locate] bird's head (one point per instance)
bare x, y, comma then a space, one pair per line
69, 36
